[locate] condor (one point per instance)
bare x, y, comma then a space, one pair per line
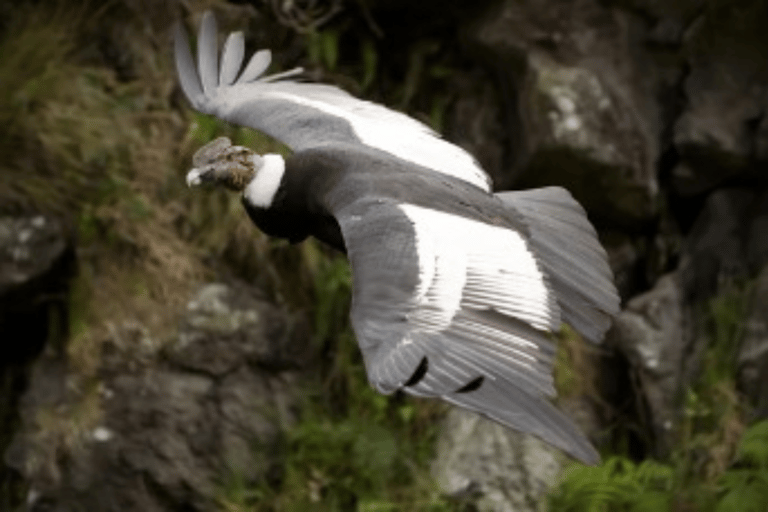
456, 290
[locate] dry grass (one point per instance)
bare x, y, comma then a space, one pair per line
108, 154
34, 74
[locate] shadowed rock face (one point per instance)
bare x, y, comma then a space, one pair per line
654, 115
651, 332
33, 250
584, 112
164, 427
753, 353
36, 262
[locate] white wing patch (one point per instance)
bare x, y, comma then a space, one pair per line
464, 263
396, 134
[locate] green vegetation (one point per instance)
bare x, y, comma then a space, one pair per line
622, 485
617, 484
353, 449
424, 90
717, 465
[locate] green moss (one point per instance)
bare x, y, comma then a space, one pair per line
573, 371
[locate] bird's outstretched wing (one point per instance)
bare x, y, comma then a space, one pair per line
306, 115
455, 308
568, 249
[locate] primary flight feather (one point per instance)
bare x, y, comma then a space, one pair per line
455, 289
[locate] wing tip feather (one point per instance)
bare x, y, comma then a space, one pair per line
207, 52
185, 66
541, 419
232, 58
257, 65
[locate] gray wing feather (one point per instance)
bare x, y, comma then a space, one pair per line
502, 401
382, 252
567, 246
479, 345
256, 66
476, 344
305, 115
232, 58
185, 65
208, 59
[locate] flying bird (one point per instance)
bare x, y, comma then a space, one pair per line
455, 290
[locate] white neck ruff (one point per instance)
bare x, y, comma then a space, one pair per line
260, 192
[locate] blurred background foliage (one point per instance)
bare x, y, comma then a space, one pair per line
105, 144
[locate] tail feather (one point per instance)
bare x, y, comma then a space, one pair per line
566, 244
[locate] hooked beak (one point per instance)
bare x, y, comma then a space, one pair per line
198, 176
233, 170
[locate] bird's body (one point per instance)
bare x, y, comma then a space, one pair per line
320, 182
455, 289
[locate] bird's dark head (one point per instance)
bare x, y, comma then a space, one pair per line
221, 163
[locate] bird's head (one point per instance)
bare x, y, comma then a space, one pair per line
221, 163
